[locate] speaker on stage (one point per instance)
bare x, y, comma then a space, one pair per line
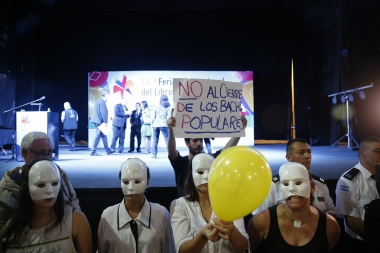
47, 122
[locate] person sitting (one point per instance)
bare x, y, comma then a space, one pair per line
135, 225
296, 225
42, 221
196, 228
34, 146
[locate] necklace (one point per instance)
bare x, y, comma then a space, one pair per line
296, 223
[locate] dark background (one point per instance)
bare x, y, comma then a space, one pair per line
49, 47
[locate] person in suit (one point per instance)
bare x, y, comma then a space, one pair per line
100, 116
69, 118
119, 124
136, 122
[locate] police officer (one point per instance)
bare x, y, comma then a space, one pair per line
357, 188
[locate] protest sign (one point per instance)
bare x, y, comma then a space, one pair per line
207, 108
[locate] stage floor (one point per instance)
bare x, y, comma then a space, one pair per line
86, 171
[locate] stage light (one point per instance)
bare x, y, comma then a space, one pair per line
343, 98
346, 97
351, 97
362, 95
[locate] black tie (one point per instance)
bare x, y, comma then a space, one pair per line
135, 233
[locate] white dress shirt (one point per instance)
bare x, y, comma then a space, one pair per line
187, 222
322, 199
352, 195
154, 230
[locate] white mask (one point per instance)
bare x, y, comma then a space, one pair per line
201, 165
294, 179
44, 180
134, 176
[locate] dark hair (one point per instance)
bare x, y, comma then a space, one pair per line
147, 172
292, 141
22, 217
188, 139
147, 168
189, 189
145, 104
104, 93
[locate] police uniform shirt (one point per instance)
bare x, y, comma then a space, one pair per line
354, 190
322, 199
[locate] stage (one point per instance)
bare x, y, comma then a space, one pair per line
87, 171
97, 184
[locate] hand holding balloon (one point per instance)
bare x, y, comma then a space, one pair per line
210, 233
224, 228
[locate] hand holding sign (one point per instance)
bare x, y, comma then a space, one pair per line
243, 119
171, 121
208, 108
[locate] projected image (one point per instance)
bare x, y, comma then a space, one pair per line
149, 86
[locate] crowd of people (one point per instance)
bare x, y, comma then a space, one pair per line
39, 209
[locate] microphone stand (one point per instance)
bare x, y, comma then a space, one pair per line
13, 127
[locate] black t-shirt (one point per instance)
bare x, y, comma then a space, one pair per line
181, 169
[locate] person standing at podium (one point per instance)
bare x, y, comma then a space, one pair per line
69, 118
100, 116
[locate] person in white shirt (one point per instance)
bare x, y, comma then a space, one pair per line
135, 225
196, 228
298, 150
42, 222
357, 188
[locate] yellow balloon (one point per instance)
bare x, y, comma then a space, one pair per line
240, 179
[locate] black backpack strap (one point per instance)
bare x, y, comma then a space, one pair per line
351, 174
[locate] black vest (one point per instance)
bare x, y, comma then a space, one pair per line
70, 121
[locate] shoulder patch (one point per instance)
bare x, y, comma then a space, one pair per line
319, 179
276, 178
351, 173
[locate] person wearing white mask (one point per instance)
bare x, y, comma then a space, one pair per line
298, 150
135, 225
293, 226
195, 226
42, 222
